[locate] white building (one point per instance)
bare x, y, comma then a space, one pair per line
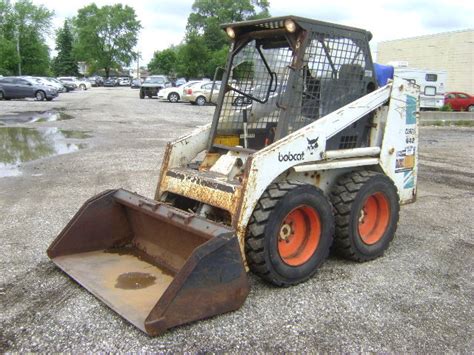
449, 51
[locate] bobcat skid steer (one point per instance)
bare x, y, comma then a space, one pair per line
305, 149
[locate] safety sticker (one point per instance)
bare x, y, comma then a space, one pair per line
405, 160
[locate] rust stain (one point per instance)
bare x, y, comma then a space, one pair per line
164, 168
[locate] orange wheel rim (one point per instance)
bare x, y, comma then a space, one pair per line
299, 235
374, 218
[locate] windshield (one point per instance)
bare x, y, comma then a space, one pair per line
152, 80
256, 83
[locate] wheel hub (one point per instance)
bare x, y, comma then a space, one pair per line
285, 232
299, 235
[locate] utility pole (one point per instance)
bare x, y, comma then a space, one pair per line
138, 65
18, 49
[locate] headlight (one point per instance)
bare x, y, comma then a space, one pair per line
230, 32
290, 25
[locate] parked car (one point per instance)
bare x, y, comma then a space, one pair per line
18, 88
136, 83
45, 81
95, 80
200, 93
110, 82
153, 84
69, 85
124, 82
180, 81
459, 101
174, 94
81, 84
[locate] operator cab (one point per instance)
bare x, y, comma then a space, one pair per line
284, 73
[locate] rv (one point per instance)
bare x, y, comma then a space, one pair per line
431, 82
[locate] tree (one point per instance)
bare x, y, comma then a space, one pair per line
65, 64
23, 31
164, 62
106, 36
193, 57
208, 15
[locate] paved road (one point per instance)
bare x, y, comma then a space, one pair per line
418, 298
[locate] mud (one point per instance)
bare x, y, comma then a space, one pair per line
135, 280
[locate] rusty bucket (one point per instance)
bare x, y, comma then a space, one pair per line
155, 265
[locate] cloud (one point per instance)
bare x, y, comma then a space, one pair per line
164, 22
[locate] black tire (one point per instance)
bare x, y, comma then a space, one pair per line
367, 209
2, 96
142, 94
173, 97
264, 239
470, 108
201, 101
40, 95
82, 87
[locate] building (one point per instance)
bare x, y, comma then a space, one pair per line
449, 51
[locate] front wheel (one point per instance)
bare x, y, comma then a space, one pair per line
2, 96
470, 108
173, 97
82, 87
367, 208
40, 96
142, 94
290, 233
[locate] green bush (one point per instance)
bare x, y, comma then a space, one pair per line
446, 108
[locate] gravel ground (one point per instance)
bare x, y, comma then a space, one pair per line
418, 298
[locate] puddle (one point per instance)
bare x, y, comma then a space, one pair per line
19, 145
134, 280
34, 116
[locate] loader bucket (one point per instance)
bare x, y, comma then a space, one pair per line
155, 265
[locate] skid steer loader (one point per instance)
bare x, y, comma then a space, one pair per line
305, 150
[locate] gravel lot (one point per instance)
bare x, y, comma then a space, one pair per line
418, 298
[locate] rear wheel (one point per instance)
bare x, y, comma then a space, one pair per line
290, 233
82, 87
2, 95
367, 208
201, 101
471, 108
142, 94
173, 97
39, 95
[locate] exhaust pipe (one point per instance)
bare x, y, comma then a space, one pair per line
155, 265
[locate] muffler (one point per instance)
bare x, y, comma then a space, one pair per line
155, 265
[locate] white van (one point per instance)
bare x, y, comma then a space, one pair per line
432, 85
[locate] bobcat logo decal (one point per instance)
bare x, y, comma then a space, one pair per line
312, 144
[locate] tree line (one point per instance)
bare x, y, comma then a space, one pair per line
205, 45
106, 37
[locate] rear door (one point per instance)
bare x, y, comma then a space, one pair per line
8, 87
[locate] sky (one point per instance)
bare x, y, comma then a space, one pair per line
164, 22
